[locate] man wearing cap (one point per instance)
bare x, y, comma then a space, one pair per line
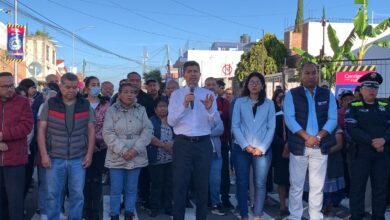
367, 122
345, 98
152, 88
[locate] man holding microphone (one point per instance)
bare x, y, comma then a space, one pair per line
191, 112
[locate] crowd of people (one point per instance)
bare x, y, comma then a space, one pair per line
162, 147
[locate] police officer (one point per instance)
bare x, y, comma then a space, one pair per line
368, 124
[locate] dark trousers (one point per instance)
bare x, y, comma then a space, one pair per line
191, 157
225, 174
161, 186
30, 167
93, 192
12, 180
376, 166
144, 185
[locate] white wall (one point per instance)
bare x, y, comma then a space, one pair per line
342, 31
48, 65
3, 36
211, 62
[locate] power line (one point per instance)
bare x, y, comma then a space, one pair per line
214, 16
121, 25
186, 14
156, 21
66, 32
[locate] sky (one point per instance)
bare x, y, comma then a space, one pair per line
129, 27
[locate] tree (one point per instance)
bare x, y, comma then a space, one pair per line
41, 33
252, 61
364, 30
275, 49
299, 17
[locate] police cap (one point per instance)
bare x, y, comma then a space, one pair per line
372, 79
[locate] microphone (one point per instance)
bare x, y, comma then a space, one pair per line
192, 89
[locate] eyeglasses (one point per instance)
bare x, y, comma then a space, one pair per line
10, 86
370, 88
254, 83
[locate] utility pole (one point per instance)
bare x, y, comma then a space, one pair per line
284, 75
145, 58
168, 61
322, 52
84, 65
262, 55
16, 22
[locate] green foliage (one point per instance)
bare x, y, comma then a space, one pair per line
252, 60
275, 49
299, 17
360, 22
364, 30
41, 33
383, 43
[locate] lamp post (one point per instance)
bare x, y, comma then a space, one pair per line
16, 22
73, 40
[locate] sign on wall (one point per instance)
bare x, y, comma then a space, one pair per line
347, 76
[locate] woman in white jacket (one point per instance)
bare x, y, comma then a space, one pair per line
126, 131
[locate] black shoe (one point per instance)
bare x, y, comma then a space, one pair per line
227, 205
153, 213
129, 216
284, 212
217, 210
189, 204
115, 217
168, 212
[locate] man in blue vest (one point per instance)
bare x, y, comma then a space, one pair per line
66, 140
311, 116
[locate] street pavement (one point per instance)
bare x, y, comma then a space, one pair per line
271, 209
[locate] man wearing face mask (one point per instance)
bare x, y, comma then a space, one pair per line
93, 203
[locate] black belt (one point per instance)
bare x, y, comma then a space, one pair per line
194, 138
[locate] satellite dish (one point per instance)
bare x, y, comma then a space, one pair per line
35, 68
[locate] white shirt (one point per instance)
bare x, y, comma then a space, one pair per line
187, 121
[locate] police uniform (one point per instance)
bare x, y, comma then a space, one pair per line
365, 122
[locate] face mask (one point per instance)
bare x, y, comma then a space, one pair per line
94, 91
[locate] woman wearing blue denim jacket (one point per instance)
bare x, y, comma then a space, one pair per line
253, 126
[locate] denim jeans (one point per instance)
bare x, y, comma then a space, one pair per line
123, 180
73, 172
42, 189
215, 179
243, 162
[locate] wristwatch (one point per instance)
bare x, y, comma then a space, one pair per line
318, 138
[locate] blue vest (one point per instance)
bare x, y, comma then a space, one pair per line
296, 143
152, 149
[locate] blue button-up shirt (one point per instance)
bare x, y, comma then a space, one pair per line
312, 124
